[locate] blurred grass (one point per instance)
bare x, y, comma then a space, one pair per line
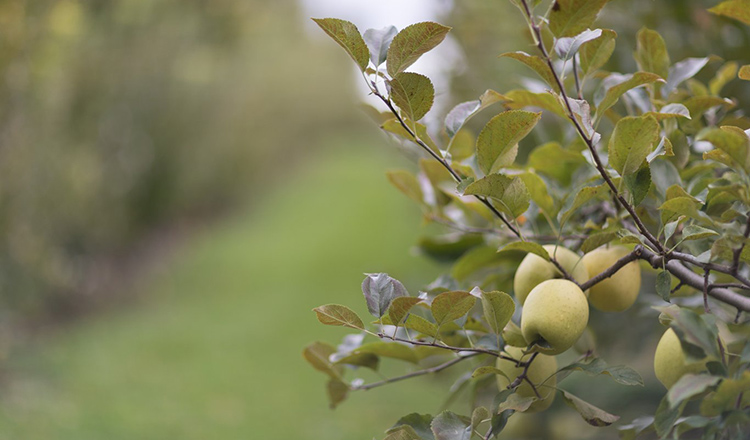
213, 348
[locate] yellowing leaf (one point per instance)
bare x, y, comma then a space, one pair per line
497, 142
631, 142
737, 9
568, 18
413, 94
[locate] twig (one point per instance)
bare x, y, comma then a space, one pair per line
585, 137
706, 274
435, 369
731, 285
449, 347
694, 280
441, 160
619, 264
524, 375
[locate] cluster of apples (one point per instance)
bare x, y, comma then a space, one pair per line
556, 311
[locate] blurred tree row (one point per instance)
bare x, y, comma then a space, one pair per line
117, 117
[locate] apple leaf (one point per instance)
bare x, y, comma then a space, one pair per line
318, 355
413, 94
403, 433
688, 386
347, 36
420, 423
511, 193
498, 308
379, 290
460, 114
591, 414
620, 373
449, 306
570, 17
450, 426
595, 53
378, 41
497, 142
338, 315
488, 369
744, 72
544, 100
400, 307
527, 246
737, 9
411, 43
651, 53
632, 140
536, 64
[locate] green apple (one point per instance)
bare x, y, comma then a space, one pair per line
555, 314
669, 360
618, 292
535, 269
540, 370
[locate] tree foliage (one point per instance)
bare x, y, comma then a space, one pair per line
654, 162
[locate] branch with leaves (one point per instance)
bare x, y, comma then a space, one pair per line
648, 196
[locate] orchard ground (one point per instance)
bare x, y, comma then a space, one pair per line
213, 347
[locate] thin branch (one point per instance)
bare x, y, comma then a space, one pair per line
731, 285
442, 160
619, 264
692, 279
706, 274
449, 347
435, 369
501, 232
710, 266
585, 137
524, 375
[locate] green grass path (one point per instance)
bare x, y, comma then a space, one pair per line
213, 350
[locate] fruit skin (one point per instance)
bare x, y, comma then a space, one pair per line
669, 360
535, 269
556, 311
618, 292
542, 368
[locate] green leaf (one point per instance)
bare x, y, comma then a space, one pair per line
378, 41
629, 82
527, 246
517, 403
571, 17
403, 433
744, 72
593, 241
726, 395
460, 114
513, 336
474, 260
591, 414
731, 140
488, 369
416, 323
620, 373
695, 232
449, 306
393, 350
595, 53
536, 64
631, 142
698, 330
639, 183
669, 111
567, 47
682, 71
664, 285
337, 392
538, 192
407, 183
413, 94
498, 308
586, 194
544, 100
419, 422
413, 42
318, 354
665, 417
379, 290
553, 160
497, 142
651, 53
338, 315
688, 386
727, 73
400, 307
347, 36
479, 415
511, 193
451, 426
737, 9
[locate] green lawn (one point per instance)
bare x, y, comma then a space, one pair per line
212, 350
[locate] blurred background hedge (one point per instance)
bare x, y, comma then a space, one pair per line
120, 118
